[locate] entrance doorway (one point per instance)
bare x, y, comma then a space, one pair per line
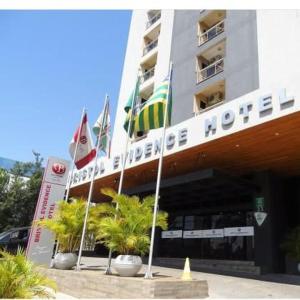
214, 243
210, 216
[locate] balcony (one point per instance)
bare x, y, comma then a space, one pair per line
209, 97
150, 46
211, 70
211, 33
153, 19
147, 75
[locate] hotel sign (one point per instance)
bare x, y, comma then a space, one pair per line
264, 106
41, 241
194, 131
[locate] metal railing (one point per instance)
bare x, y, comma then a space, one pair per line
153, 20
196, 113
211, 32
211, 70
147, 75
150, 46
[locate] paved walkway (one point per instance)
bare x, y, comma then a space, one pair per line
221, 286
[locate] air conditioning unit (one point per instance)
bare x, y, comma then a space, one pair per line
215, 98
215, 58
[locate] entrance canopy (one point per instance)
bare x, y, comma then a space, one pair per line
273, 145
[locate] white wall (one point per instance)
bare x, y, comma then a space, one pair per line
132, 62
278, 48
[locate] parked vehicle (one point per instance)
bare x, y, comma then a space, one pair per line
14, 238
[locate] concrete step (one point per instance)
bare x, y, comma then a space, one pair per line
94, 284
245, 267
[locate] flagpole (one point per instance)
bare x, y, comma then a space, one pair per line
148, 274
108, 269
74, 156
71, 174
91, 186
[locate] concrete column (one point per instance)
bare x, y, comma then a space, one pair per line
268, 236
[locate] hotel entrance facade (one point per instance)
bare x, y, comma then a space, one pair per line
231, 171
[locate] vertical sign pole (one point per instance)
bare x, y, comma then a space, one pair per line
92, 184
71, 176
148, 274
108, 269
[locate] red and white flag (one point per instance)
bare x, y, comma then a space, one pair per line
85, 149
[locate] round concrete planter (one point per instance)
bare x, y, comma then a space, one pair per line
127, 265
65, 261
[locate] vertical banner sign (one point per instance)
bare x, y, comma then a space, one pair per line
41, 241
260, 215
260, 203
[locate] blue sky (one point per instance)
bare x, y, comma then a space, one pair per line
52, 63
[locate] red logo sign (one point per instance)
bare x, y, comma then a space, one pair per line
58, 168
83, 139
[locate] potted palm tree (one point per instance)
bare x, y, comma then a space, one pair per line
291, 245
124, 227
67, 225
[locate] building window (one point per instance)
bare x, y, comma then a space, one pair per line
211, 26
153, 17
210, 62
209, 97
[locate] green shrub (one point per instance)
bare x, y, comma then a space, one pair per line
125, 229
20, 279
67, 224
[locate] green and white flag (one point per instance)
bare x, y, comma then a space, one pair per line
151, 115
130, 108
103, 124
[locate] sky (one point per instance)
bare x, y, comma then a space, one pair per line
52, 64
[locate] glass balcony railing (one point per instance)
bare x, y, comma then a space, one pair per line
150, 46
147, 75
211, 33
153, 20
211, 70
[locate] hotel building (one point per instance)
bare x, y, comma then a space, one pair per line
231, 169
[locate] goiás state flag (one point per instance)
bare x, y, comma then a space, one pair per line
151, 114
85, 151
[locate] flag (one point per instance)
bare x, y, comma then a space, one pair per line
130, 108
151, 115
103, 124
85, 149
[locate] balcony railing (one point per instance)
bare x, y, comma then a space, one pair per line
196, 113
150, 46
211, 70
153, 20
211, 33
147, 75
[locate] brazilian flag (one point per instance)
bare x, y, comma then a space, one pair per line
151, 115
130, 108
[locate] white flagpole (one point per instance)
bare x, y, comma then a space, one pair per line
148, 274
108, 269
91, 185
75, 153
71, 175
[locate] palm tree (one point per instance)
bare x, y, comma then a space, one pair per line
124, 224
20, 279
67, 224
